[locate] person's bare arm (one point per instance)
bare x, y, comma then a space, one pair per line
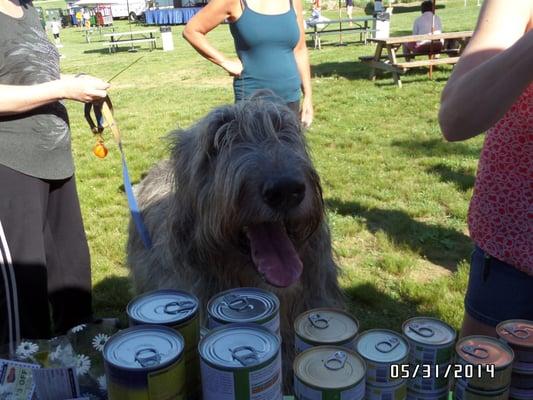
302, 61
495, 68
212, 15
15, 99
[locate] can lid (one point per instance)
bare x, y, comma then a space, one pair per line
243, 305
429, 331
484, 350
144, 347
329, 367
237, 346
163, 307
326, 325
516, 332
381, 345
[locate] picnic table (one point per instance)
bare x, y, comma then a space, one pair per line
448, 53
361, 25
121, 38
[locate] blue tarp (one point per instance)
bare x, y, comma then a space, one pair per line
170, 16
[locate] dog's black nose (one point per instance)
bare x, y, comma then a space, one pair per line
283, 193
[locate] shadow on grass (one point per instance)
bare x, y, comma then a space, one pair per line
110, 297
374, 308
437, 148
461, 178
440, 245
351, 70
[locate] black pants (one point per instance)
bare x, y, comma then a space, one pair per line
43, 232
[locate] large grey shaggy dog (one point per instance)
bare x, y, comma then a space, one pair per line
238, 204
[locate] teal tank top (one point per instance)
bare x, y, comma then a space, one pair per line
265, 45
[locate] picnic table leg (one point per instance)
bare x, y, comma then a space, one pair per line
391, 51
377, 57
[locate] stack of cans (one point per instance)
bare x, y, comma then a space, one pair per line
177, 310
486, 368
431, 344
325, 326
518, 334
385, 352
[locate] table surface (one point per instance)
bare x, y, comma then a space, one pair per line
416, 38
117, 34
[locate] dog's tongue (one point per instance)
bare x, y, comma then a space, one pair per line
274, 254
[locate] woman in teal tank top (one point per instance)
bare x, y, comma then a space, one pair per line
270, 43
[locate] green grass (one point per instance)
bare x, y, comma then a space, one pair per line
397, 194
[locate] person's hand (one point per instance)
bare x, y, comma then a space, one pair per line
234, 68
307, 113
83, 88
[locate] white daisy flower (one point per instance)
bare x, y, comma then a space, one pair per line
99, 341
83, 364
102, 383
78, 328
26, 349
56, 354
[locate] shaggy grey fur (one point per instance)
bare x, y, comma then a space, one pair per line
198, 204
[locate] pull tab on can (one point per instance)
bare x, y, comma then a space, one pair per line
478, 352
386, 346
248, 355
520, 333
317, 321
148, 357
176, 307
237, 303
336, 361
422, 330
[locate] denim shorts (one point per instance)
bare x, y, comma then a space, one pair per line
497, 291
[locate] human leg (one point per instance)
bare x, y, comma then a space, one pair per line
23, 260
68, 260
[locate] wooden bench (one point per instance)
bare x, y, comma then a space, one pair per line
389, 61
360, 25
113, 45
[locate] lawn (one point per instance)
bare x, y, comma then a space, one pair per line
397, 194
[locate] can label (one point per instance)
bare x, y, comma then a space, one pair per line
421, 354
305, 392
261, 384
386, 393
301, 345
167, 383
191, 334
380, 374
272, 325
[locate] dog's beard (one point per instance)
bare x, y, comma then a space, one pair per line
274, 254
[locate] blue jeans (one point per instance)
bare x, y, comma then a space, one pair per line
497, 291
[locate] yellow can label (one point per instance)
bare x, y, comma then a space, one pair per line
168, 383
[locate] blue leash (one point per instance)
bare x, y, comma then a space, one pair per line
105, 110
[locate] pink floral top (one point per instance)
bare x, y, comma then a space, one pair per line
501, 211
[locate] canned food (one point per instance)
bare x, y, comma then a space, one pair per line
437, 395
241, 362
381, 349
520, 394
244, 305
518, 333
463, 392
431, 340
398, 392
177, 310
329, 372
494, 356
432, 381
325, 326
145, 363
522, 379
